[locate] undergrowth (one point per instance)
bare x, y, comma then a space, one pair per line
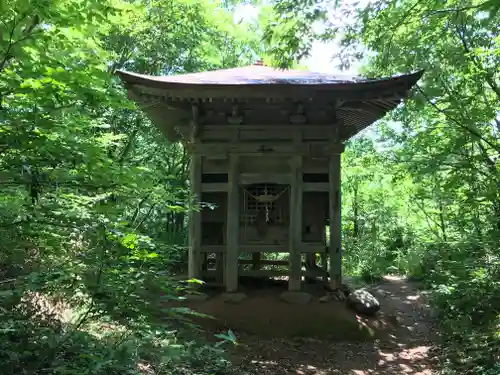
465, 289
101, 311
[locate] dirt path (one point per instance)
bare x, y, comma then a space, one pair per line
405, 351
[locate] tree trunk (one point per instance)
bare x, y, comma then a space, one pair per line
356, 213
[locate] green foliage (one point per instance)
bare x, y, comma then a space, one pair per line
290, 28
93, 199
466, 291
427, 201
449, 144
379, 235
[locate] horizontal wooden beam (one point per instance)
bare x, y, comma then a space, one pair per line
279, 126
315, 186
215, 187
268, 273
262, 262
256, 178
305, 247
264, 132
265, 177
212, 165
308, 149
245, 249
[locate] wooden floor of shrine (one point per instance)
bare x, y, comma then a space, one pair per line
263, 313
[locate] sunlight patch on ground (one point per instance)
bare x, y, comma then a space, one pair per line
265, 364
395, 278
145, 368
386, 357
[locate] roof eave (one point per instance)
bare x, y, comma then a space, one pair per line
397, 83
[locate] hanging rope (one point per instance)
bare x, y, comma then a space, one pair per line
267, 198
262, 219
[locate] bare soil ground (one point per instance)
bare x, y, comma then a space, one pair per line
404, 348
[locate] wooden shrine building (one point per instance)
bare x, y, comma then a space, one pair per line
265, 148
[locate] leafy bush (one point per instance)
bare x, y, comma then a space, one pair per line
100, 315
93, 197
466, 294
35, 344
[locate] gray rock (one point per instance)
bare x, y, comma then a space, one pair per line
338, 295
296, 298
363, 302
233, 297
352, 283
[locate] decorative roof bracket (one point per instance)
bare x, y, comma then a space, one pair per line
235, 118
299, 116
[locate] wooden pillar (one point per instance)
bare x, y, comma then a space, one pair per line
204, 262
194, 241
219, 268
295, 229
334, 203
256, 257
232, 225
324, 266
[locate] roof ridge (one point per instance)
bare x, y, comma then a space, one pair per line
258, 75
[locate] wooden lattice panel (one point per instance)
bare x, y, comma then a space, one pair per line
273, 205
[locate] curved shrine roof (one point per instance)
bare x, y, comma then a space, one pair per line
256, 75
260, 75
359, 101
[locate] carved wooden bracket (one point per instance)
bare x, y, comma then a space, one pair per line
299, 116
235, 118
210, 115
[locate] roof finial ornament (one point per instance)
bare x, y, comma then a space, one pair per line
259, 62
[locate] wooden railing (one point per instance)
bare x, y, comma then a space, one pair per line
305, 247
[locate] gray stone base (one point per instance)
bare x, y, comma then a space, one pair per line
233, 297
296, 298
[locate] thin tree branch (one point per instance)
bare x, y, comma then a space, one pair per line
145, 216
457, 10
459, 123
489, 78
